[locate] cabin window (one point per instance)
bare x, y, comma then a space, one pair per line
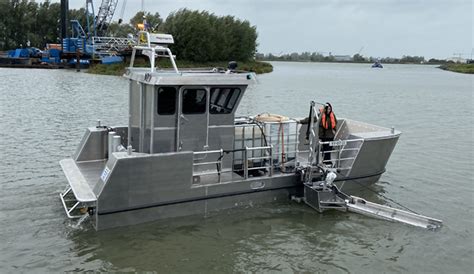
194, 101
223, 100
166, 100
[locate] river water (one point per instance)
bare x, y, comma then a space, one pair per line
43, 114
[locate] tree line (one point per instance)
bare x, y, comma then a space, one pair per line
356, 58
199, 35
22, 21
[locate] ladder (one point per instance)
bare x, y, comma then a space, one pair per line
345, 152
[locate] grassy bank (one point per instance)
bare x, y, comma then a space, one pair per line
461, 68
258, 67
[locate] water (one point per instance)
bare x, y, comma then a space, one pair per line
43, 114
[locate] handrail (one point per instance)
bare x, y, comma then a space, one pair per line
340, 148
285, 148
218, 162
246, 159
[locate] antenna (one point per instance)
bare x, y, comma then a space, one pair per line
122, 12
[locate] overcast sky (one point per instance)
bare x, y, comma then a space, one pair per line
434, 28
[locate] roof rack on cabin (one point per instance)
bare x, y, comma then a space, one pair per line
154, 45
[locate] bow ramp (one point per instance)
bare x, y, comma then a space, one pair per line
323, 195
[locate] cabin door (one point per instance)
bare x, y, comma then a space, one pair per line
193, 119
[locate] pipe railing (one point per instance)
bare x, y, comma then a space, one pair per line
269, 157
154, 50
283, 147
218, 164
246, 152
339, 147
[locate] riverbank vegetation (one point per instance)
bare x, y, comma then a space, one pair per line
356, 58
258, 67
201, 38
461, 68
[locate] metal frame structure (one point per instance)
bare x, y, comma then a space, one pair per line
154, 52
105, 14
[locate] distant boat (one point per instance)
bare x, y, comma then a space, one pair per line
377, 65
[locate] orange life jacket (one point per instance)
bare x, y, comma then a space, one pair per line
324, 121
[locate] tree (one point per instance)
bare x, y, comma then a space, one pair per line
120, 30
153, 20
202, 36
358, 58
199, 35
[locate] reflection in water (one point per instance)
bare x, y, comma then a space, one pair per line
275, 237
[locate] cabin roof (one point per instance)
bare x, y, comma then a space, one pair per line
199, 77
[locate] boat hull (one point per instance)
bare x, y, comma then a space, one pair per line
133, 188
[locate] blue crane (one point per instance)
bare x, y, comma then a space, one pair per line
91, 39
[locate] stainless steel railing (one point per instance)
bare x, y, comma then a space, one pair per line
197, 162
207, 167
346, 153
269, 157
283, 136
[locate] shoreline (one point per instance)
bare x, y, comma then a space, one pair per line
352, 62
459, 68
258, 67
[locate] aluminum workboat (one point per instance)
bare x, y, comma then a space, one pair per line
184, 152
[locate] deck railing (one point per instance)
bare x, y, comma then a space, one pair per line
346, 152
208, 170
282, 136
266, 150
214, 167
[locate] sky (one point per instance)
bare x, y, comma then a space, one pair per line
378, 28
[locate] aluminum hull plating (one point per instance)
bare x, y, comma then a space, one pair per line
200, 206
141, 188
